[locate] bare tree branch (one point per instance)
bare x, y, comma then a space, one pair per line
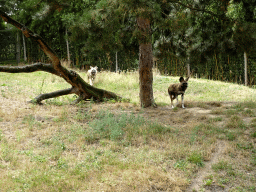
29, 68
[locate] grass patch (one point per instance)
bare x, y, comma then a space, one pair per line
123, 128
222, 165
235, 122
113, 146
196, 158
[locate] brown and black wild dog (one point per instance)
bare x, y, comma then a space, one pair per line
178, 89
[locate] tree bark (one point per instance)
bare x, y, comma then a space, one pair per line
59, 93
68, 53
79, 86
24, 47
116, 63
18, 48
145, 63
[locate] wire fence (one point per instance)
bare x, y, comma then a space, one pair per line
223, 68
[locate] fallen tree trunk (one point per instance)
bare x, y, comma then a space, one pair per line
79, 86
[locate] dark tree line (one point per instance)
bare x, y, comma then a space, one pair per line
202, 36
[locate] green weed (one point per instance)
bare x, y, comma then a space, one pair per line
208, 182
222, 165
196, 158
181, 164
231, 136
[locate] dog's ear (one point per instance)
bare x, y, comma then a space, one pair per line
181, 79
96, 67
91, 67
187, 79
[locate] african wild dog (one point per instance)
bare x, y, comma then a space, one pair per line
92, 74
178, 89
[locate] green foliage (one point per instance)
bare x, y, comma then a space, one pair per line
236, 11
208, 182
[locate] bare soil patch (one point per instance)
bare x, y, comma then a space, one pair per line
198, 183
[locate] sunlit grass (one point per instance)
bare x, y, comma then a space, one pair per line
198, 90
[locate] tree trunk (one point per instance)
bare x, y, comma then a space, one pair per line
245, 69
79, 86
116, 63
145, 63
24, 47
18, 48
188, 67
68, 53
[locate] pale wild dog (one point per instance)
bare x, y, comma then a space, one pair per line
92, 74
178, 89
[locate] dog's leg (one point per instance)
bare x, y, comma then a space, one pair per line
172, 98
177, 101
172, 102
182, 101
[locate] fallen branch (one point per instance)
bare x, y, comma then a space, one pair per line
54, 94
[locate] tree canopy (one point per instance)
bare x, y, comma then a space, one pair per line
99, 29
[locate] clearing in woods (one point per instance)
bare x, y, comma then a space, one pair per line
209, 146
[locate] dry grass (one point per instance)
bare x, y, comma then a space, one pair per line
120, 147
